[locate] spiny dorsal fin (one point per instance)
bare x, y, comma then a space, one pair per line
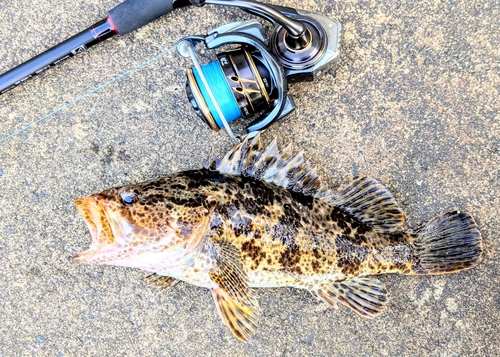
366, 296
262, 161
269, 164
370, 202
212, 161
366, 199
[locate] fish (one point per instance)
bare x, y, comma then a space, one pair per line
261, 217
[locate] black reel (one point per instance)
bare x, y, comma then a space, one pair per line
251, 81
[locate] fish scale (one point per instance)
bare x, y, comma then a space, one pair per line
261, 217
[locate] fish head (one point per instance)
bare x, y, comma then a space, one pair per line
141, 226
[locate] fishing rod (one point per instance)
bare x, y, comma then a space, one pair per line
128, 16
249, 81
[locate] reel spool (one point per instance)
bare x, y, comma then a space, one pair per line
243, 85
251, 81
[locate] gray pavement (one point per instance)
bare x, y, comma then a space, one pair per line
414, 101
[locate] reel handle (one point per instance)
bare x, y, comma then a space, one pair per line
294, 28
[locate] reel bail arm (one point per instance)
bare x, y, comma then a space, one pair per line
255, 78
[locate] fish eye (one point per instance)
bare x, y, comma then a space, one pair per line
129, 197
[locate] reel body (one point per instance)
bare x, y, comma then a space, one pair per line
251, 80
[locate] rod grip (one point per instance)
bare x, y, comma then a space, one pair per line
132, 14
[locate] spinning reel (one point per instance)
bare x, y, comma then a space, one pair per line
248, 82
251, 81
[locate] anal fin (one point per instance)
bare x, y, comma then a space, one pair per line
365, 296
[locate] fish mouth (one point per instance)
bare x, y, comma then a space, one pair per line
94, 214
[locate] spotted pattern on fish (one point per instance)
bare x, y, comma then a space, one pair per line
261, 217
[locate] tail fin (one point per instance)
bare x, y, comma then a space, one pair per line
447, 243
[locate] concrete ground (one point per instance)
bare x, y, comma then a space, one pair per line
413, 101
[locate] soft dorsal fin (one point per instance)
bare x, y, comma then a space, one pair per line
366, 199
370, 202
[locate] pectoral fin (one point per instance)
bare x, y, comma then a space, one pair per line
367, 297
228, 272
241, 319
237, 306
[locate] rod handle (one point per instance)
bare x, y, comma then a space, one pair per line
133, 14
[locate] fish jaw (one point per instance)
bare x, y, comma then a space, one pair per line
119, 241
98, 225
113, 236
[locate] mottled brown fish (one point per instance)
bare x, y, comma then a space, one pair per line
262, 218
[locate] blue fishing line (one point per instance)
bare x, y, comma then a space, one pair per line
225, 98
39, 120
